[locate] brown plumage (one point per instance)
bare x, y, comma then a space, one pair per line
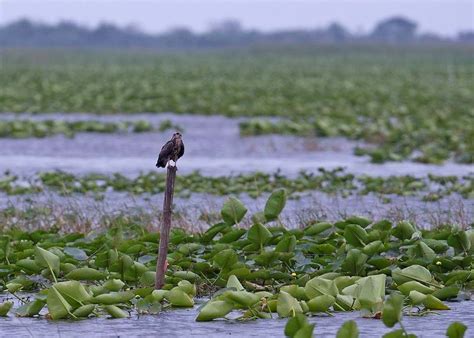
172, 150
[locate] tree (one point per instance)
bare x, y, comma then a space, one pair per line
396, 29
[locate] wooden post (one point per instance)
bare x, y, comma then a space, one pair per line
165, 227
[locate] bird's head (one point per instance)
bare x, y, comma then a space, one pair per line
177, 135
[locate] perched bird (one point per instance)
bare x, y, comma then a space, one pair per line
171, 151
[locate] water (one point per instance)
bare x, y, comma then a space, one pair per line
213, 146
181, 323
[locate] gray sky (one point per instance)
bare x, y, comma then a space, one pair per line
445, 17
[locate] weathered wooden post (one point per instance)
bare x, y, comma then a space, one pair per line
161, 263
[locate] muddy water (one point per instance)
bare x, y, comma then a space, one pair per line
213, 146
181, 323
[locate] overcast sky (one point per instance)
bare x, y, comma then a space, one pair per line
445, 17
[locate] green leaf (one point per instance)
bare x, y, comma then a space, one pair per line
287, 305
433, 303
459, 241
416, 297
187, 287
400, 333
4, 308
84, 310
456, 330
233, 211
213, 310
407, 287
243, 298
275, 204
225, 258
179, 298
259, 234
299, 327
403, 230
73, 292
115, 284
233, 282
321, 303
58, 307
318, 286
348, 330
86, 274
412, 273
354, 263
317, 228
355, 235
392, 310
286, 244
114, 298
48, 260
30, 309
115, 311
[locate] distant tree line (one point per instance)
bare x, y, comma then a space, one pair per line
25, 33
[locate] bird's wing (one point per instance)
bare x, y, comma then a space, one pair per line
165, 153
181, 151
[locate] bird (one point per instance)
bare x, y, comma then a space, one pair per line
171, 151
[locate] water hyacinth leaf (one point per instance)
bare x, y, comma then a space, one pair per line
392, 310
355, 235
275, 204
459, 241
58, 307
48, 260
77, 253
433, 303
447, 292
14, 287
259, 234
416, 297
403, 230
412, 273
286, 244
456, 330
373, 248
106, 259
354, 264
298, 327
370, 292
348, 330
233, 282
243, 298
115, 311
5, 308
359, 220
159, 295
321, 303
407, 287
73, 292
287, 305
30, 309
86, 273
233, 211
187, 287
179, 298
84, 311
28, 265
319, 286
115, 284
187, 275
114, 298
318, 228
400, 333
213, 310
225, 258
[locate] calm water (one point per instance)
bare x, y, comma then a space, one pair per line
181, 323
213, 146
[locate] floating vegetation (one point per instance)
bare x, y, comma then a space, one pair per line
381, 269
39, 129
411, 103
168, 124
337, 181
